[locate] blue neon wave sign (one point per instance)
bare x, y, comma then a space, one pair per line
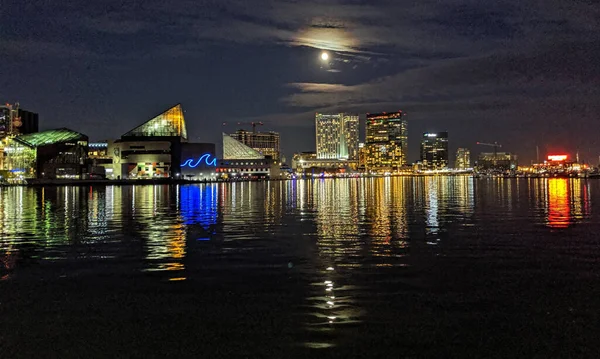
205, 157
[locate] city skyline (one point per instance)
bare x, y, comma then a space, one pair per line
285, 178
461, 67
267, 143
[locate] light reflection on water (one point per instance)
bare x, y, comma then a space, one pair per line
352, 219
342, 237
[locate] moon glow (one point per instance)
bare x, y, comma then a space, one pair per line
324, 56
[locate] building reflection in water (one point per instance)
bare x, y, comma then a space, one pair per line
56, 223
334, 206
559, 211
568, 201
465, 194
432, 207
250, 210
385, 212
198, 205
157, 225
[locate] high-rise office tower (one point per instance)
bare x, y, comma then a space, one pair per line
386, 142
463, 159
267, 143
434, 150
336, 136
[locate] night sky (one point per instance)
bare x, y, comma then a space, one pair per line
522, 73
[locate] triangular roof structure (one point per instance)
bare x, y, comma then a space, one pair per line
168, 124
235, 150
50, 137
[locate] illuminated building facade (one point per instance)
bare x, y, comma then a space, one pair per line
559, 165
98, 150
199, 161
463, 159
362, 156
53, 154
13, 122
242, 162
99, 160
386, 142
248, 169
299, 158
327, 166
307, 162
151, 150
337, 136
267, 143
434, 150
235, 150
500, 161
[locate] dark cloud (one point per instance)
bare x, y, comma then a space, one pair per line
457, 63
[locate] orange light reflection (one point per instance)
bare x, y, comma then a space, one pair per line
559, 211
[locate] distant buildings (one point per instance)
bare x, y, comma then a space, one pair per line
159, 148
308, 163
16, 121
236, 150
498, 161
300, 159
267, 143
434, 150
337, 136
386, 142
99, 160
7, 114
463, 159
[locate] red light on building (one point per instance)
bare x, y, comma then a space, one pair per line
557, 158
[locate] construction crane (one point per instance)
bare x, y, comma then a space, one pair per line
496, 146
253, 124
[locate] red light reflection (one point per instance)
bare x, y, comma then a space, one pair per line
559, 210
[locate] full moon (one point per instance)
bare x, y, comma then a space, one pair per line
324, 56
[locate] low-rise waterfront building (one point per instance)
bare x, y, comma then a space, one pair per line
52, 154
151, 150
243, 162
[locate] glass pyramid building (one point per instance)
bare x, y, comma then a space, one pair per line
168, 124
235, 150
